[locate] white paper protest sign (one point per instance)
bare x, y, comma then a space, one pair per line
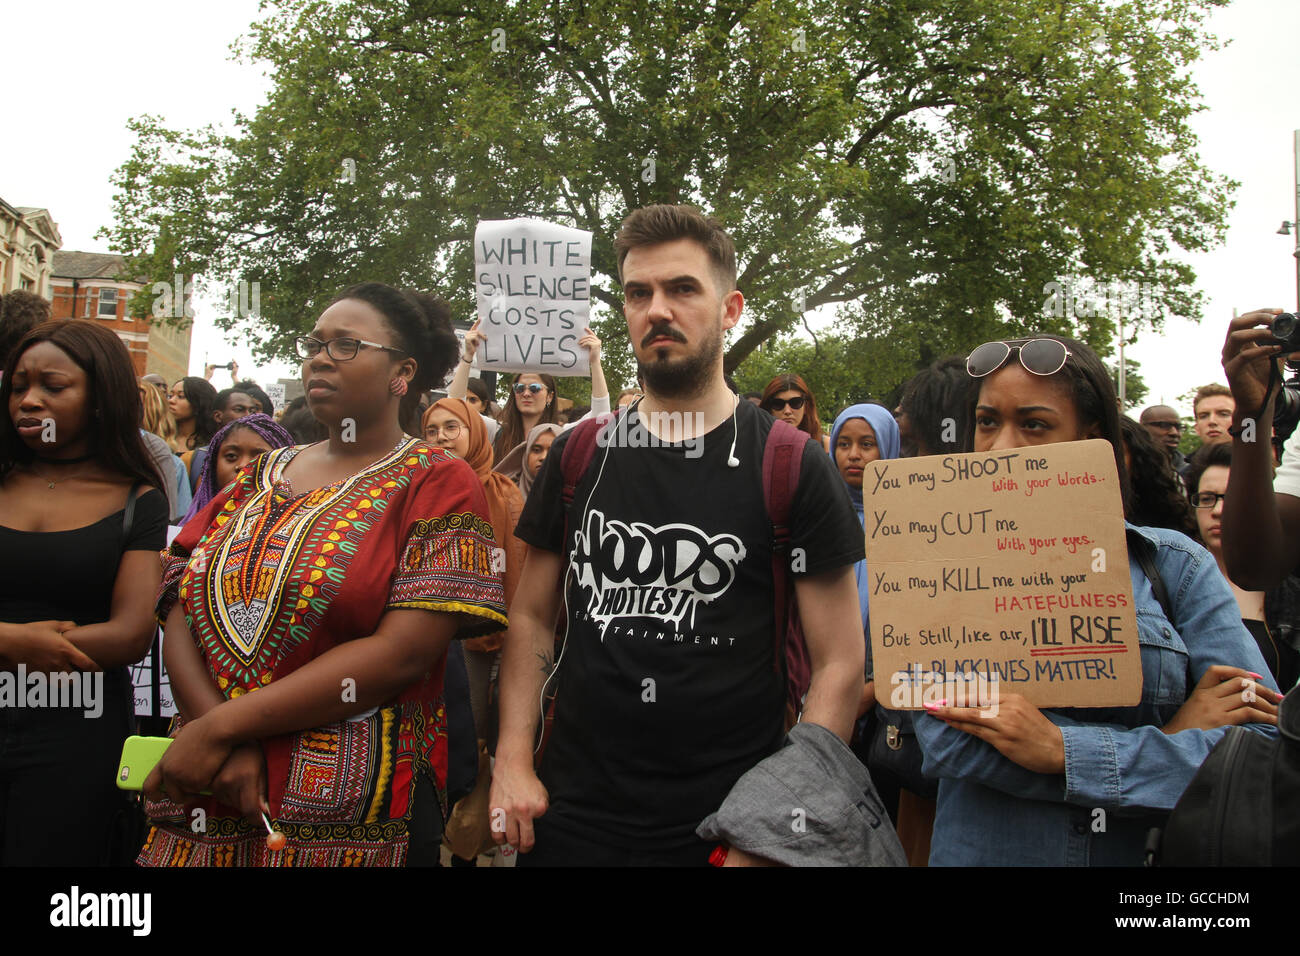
275, 392
532, 280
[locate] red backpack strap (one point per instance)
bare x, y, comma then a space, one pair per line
782, 458
579, 449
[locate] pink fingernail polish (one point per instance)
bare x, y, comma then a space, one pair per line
1254, 675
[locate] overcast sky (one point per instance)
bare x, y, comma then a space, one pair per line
179, 68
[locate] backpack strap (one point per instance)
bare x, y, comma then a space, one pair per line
128, 514
579, 450
1144, 552
782, 459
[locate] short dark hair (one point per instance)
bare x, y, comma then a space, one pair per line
931, 397
421, 324
111, 393
20, 312
653, 225
299, 422
253, 390
1207, 456
479, 388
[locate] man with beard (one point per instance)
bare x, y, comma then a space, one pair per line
668, 690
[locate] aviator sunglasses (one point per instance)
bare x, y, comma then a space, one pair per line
777, 404
1039, 356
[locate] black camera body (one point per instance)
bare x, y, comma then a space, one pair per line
1286, 331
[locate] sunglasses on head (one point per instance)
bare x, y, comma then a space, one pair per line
533, 387
1039, 356
777, 404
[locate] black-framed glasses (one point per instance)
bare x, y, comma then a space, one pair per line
1206, 499
1039, 356
778, 404
340, 350
533, 387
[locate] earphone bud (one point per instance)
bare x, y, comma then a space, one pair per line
732, 460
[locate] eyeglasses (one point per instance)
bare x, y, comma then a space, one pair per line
777, 404
1167, 426
533, 387
450, 431
1206, 499
1039, 356
340, 350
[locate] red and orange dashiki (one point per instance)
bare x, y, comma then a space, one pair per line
270, 580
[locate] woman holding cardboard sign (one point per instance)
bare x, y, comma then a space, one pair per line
1023, 786
532, 395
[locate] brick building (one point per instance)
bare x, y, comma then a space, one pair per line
89, 285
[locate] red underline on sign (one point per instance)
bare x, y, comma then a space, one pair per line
1082, 650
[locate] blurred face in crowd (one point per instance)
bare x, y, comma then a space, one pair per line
1213, 416
1209, 520
48, 402
780, 406
447, 431
237, 406
855, 448
474, 402
538, 451
531, 401
1017, 408
676, 315
241, 446
1163, 424
179, 404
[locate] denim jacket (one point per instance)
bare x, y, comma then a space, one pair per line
1122, 773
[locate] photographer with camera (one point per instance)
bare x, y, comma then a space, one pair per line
1261, 514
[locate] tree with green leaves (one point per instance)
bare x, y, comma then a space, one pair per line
924, 168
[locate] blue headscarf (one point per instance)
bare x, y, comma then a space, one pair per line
886, 431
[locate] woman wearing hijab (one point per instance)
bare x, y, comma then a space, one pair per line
524, 461
453, 425
863, 434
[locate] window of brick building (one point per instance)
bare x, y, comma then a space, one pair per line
107, 303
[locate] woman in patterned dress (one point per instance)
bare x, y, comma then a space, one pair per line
308, 611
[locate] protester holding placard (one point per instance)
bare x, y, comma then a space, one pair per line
1023, 786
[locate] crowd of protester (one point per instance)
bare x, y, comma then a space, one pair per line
422, 549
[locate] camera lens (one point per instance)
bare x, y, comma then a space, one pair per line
1284, 326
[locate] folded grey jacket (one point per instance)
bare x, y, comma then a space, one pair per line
812, 803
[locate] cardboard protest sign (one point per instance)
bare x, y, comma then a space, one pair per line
1001, 572
533, 283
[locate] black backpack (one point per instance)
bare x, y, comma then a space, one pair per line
1243, 806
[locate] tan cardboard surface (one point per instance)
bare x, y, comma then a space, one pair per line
1006, 569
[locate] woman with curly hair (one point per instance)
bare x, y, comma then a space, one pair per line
789, 398
1156, 494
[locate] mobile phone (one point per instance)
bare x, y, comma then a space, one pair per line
139, 756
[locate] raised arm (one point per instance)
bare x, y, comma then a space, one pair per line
1261, 530
459, 386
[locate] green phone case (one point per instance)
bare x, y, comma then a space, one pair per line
139, 756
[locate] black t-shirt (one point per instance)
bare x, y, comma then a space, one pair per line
69, 575
667, 687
